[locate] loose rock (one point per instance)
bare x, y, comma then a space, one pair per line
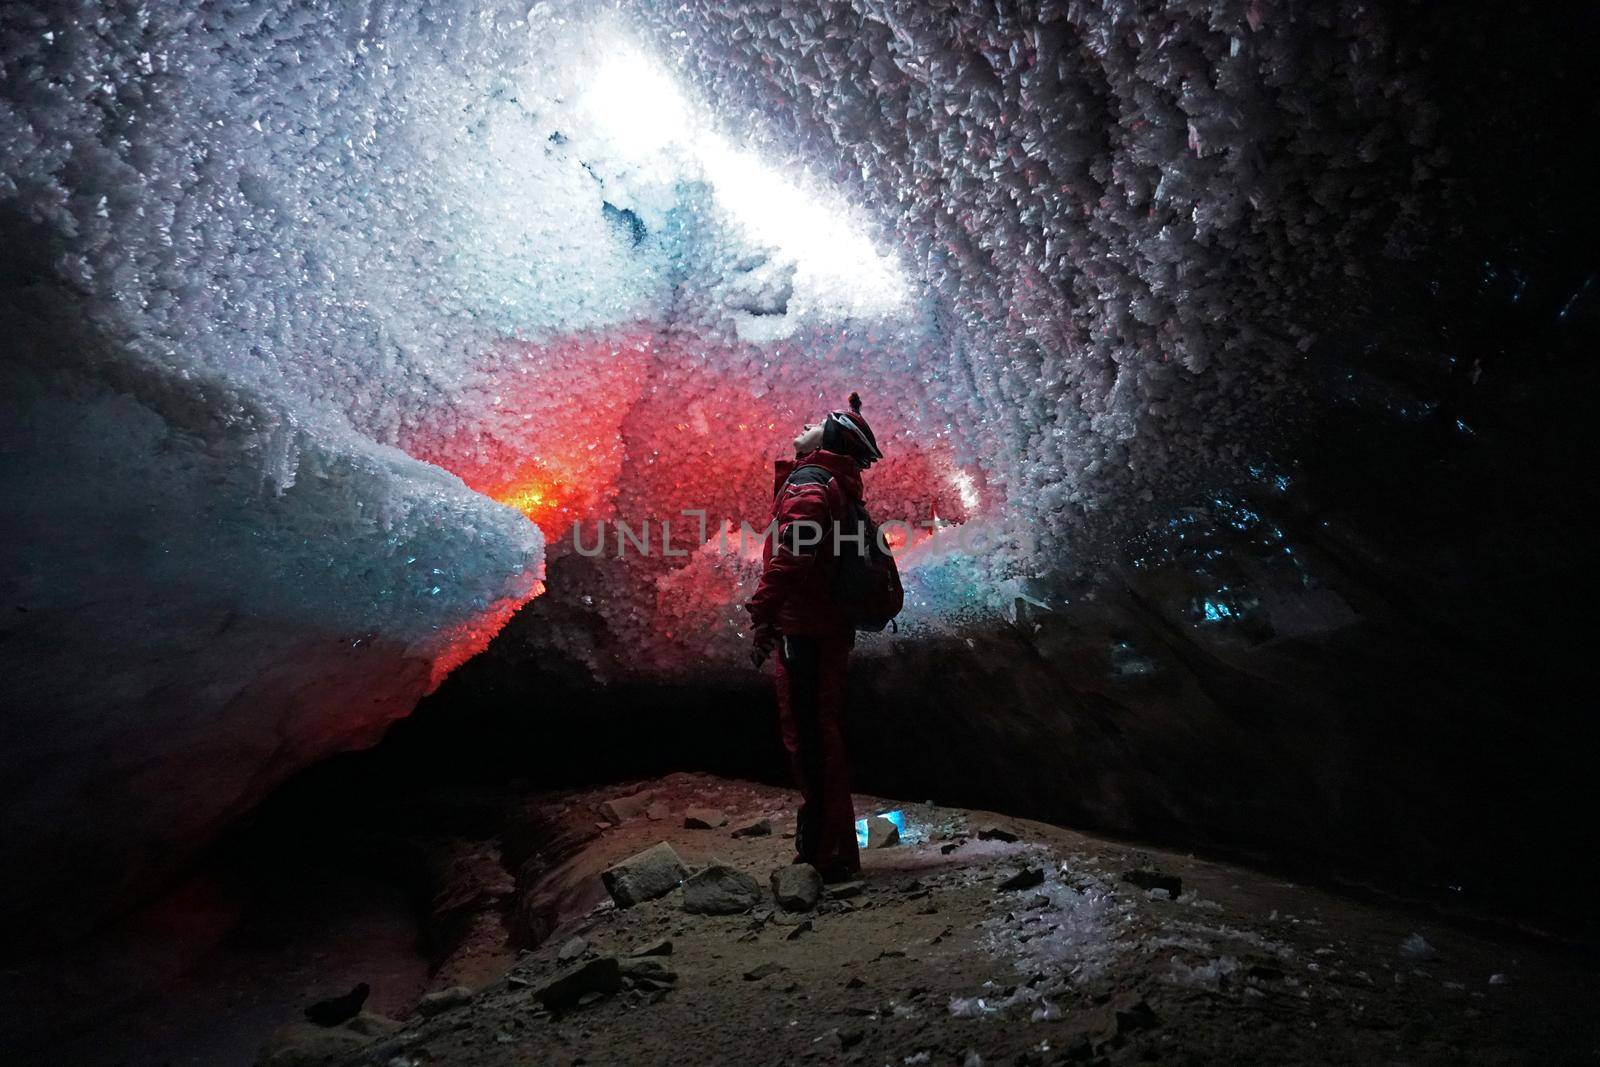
644, 876
648, 971
720, 890
444, 1000
703, 819
881, 832
1416, 947
759, 828
1023, 879
572, 949
797, 887
619, 810
995, 833
598, 976
760, 971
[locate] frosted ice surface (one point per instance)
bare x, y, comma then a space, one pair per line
1209, 974
1078, 928
1082, 237
339, 316
1124, 217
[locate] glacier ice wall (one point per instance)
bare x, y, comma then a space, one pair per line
248, 250
325, 324
1123, 226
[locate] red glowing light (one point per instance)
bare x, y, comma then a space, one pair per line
554, 456
539, 493
628, 437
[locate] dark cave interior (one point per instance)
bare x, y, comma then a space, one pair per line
1337, 631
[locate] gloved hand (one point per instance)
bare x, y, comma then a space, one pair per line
765, 640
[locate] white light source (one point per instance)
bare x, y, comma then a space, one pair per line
646, 119
637, 104
821, 237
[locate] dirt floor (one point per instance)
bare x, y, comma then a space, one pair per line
930, 959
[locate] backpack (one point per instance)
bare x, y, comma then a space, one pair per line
866, 581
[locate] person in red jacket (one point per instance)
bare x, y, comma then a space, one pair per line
794, 611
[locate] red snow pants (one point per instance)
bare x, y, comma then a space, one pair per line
810, 681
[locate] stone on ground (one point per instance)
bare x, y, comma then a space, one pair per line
797, 887
1415, 947
619, 810
720, 890
762, 970
759, 828
644, 876
1024, 879
703, 819
882, 832
574, 948
444, 1000
649, 971
599, 976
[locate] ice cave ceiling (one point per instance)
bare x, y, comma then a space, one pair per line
312, 307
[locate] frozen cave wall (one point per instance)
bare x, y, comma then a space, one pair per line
1365, 661
1134, 215
321, 323
326, 325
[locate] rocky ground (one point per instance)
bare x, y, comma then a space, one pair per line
971, 939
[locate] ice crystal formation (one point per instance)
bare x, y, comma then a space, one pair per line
326, 323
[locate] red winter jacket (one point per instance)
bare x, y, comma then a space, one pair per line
796, 591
